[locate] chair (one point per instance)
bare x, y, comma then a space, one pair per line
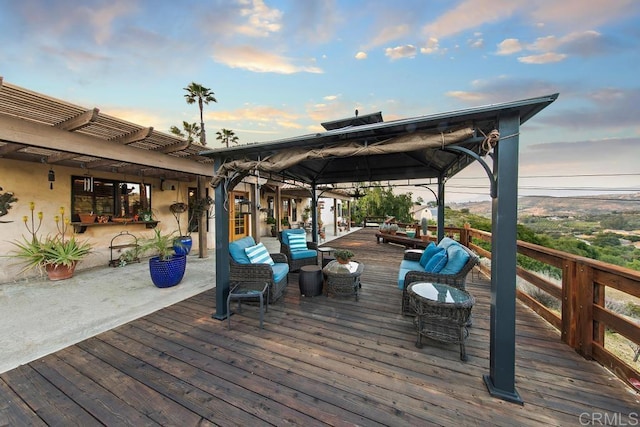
298, 258
241, 270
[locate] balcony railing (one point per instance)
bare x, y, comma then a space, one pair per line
583, 317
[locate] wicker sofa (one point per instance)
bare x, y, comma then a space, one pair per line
241, 269
459, 262
299, 258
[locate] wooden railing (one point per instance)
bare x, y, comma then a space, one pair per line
583, 317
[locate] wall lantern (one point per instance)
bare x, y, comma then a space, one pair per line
52, 178
244, 206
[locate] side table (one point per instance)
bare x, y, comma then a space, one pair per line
325, 250
310, 280
248, 291
343, 279
442, 313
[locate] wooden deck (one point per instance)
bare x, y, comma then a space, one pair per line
319, 361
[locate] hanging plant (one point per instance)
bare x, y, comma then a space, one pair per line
5, 203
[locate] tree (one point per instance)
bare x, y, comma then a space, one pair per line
191, 129
225, 136
197, 92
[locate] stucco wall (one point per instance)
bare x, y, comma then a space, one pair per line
28, 181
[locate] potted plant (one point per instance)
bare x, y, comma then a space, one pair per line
285, 222
393, 228
272, 221
165, 267
57, 255
424, 225
181, 243
343, 256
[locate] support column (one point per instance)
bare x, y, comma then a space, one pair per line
222, 248
202, 219
440, 202
501, 379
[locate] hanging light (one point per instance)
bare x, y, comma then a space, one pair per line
245, 206
52, 178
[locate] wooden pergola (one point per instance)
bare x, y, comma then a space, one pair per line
38, 128
436, 147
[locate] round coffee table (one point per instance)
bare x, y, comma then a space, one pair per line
310, 280
343, 279
442, 313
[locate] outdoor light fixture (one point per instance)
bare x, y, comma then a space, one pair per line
244, 206
52, 178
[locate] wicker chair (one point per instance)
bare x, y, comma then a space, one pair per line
457, 280
242, 271
301, 258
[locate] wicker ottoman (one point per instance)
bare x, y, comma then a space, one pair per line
310, 280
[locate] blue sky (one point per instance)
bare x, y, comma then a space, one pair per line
280, 68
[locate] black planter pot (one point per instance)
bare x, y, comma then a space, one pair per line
182, 245
165, 274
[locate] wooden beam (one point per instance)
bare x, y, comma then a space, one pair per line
173, 147
100, 163
59, 157
78, 122
38, 135
132, 137
11, 148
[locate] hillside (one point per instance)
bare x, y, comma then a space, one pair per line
562, 206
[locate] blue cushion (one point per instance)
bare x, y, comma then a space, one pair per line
280, 270
457, 257
297, 242
436, 263
446, 242
429, 252
236, 249
307, 253
259, 254
288, 232
405, 267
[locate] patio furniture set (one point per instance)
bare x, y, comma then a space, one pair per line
432, 281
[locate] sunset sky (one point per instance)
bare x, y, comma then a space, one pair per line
280, 68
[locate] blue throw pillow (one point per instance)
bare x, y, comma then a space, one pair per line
429, 252
437, 262
297, 242
259, 254
456, 259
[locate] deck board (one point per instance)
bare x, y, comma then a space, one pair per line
318, 361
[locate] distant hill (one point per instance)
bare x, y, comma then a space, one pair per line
562, 206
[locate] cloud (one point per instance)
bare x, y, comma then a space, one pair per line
509, 46
390, 33
432, 45
406, 51
261, 20
504, 89
361, 55
252, 59
543, 58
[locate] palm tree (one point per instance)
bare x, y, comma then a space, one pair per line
203, 95
191, 130
226, 136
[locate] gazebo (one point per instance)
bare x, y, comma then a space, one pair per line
367, 149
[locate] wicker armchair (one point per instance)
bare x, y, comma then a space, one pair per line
457, 280
240, 270
298, 259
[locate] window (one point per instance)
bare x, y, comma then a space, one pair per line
108, 197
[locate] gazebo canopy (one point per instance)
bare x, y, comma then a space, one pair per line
377, 151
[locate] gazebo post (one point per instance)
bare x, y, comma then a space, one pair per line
440, 202
501, 379
222, 248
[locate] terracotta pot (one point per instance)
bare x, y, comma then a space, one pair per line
59, 271
343, 260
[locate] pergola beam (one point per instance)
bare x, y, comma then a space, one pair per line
78, 122
130, 138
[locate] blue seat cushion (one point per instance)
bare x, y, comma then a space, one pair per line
436, 263
289, 231
456, 259
446, 242
237, 247
306, 253
405, 267
280, 270
429, 252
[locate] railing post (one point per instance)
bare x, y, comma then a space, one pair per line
585, 324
